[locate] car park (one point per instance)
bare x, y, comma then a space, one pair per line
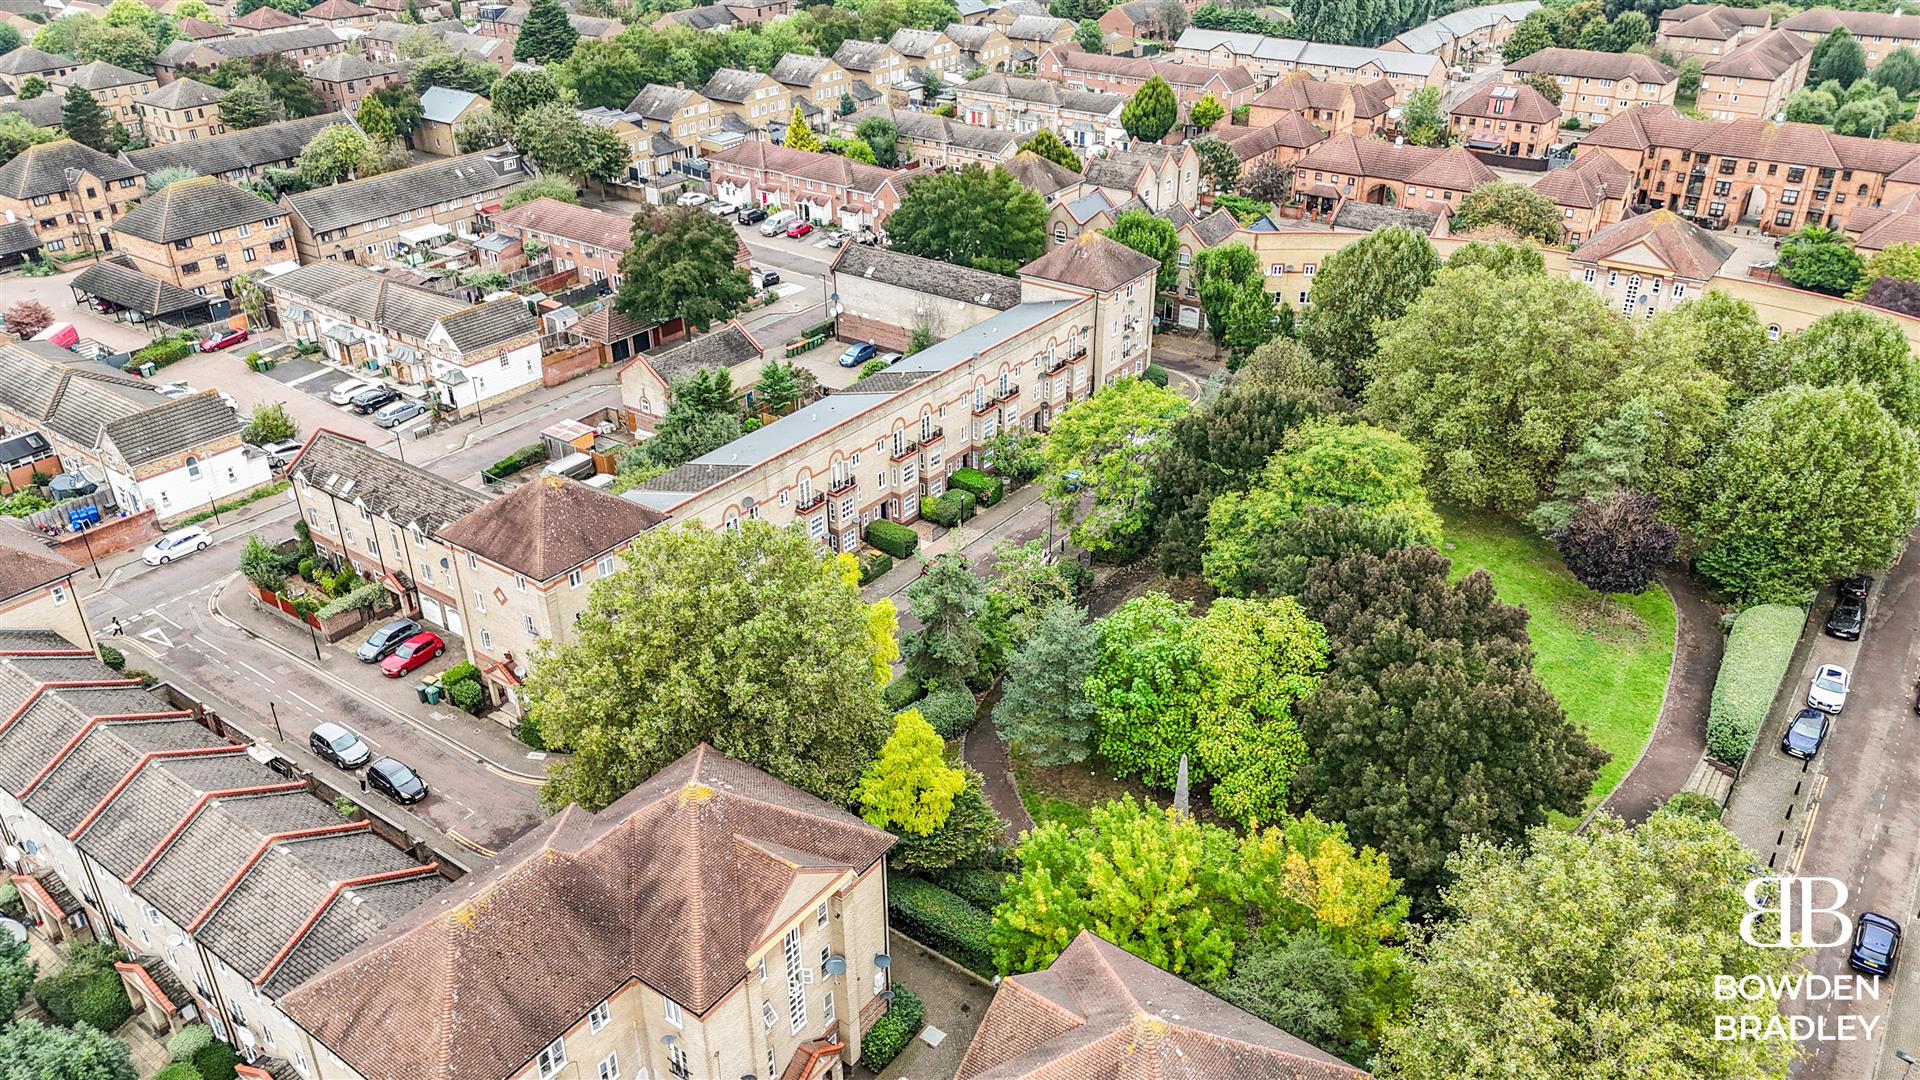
1847, 619
777, 223
412, 653
1806, 734
396, 781
399, 412
178, 543
221, 341
1829, 690
338, 746
690, 198
798, 229
858, 354
752, 215
373, 398
1876, 944
342, 392
385, 640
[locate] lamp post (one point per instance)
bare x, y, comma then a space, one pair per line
91, 561
274, 708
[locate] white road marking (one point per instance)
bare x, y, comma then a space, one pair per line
309, 378
310, 704
158, 636
156, 613
212, 646
255, 670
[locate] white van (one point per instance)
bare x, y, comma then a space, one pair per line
777, 223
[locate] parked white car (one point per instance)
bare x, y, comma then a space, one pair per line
176, 544
1829, 690
690, 198
342, 392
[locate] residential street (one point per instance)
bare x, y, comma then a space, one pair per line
1853, 813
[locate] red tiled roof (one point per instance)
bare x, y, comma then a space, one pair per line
267, 18
1858, 23
1301, 90
578, 223
1292, 130
1768, 56
1191, 76
824, 168
1591, 64
1401, 163
1091, 261
1517, 102
1687, 250
1591, 180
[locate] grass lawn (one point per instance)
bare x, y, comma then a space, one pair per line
1609, 672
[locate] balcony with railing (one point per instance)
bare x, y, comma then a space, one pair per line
932, 437
810, 503
840, 487
904, 451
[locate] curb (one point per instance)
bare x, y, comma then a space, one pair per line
1660, 720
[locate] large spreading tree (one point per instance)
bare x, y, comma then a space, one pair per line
941, 216
1811, 484
1721, 333
1516, 207
1099, 459
1152, 236
749, 639
1363, 284
1854, 345
681, 266
31, 1050
1616, 544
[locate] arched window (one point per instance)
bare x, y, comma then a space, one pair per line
193, 466
1060, 232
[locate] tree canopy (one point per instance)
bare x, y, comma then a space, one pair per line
940, 216
681, 266
1820, 259
1529, 214
546, 35
1152, 236
1099, 459
1366, 283
1151, 112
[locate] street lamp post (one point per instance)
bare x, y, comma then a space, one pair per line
274, 708
91, 560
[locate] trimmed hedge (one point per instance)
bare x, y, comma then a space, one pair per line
464, 671
112, 657
161, 353
903, 691
87, 990
873, 564
179, 1070
894, 1030
1758, 652
469, 695
950, 509
214, 1061
941, 921
893, 538
976, 885
1156, 375
516, 461
987, 489
188, 1040
950, 709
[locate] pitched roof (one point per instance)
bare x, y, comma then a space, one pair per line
547, 527
182, 93
1592, 64
1037, 28
1687, 250
1799, 144
266, 18
237, 151
555, 218
1768, 56
101, 75
728, 347
932, 127
349, 469
1715, 22
388, 194
42, 169
1191, 76
1301, 90
1370, 217
197, 824
856, 55
486, 324
731, 85
1309, 53
1516, 102
1407, 164
338, 9
1591, 180
1858, 23
27, 563
346, 67
1091, 261
960, 283
659, 101
182, 424
1043, 176
199, 29
1045, 92
244, 45
17, 236
1876, 227
1291, 130
191, 207
908, 41
70, 396
42, 111
970, 38
443, 105
825, 168
673, 885
27, 60
376, 300
798, 69
117, 281
1433, 36
1100, 1011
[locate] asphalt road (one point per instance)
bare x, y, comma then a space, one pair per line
1852, 814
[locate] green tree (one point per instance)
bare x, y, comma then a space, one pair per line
284, 79
546, 36
553, 136
269, 423
781, 667
482, 129
1304, 986
32, 87
524, 90
602, 73
1233, 294
1365, 284
1865, 119
779, 384
1838, 57
1050, 146
1099, 463
16, 977
681, 266
1043, 708
1692, 69
545, 187
799, 135
1524, 211
1500, 256
908, 785
335, 154
1219, 164
402, 104
1854, 345
1900, 261
1429, 726
118, 45
1720, 332
1202, 114
1529, 37
250, 103
10, 40
1899, 72
1808, 105
376, 120
883, 136
84, 120
947, 601
854, 149
1218, 689
455, 71
1088, 36
847, 104
1658, 909
1151, 112
30, 1050
1347, 464
1543, 84
700, 418
940, 216
1810, 484
1422, 120
1154, 237
1628, 30
1269, 182
1498, 379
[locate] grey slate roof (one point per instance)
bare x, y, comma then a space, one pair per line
229, 48
101, 75
1370, 216
797, 69
932, 127
17, 236
174, 428
659, 102
928, 275
43, 111
354, 472
182, 93
411, 188
859, 55
193, 207
118, 282
345, 67
42, 169
686, 479
79, 399
27, 60
483, 325
237, 151
731, 85
550, 526
727, 347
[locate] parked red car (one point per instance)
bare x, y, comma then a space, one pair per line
413, 652
221, 341
799, 229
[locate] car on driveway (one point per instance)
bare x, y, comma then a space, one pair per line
722, 208
1876, 944
342, 392
1829, 690
385, 640
1847, 619
752, 215
339, 746
1805, 734
174, 545
765, 279
412, 653
690, 198
396, 781
221, 341
798, 229
373, 399
398, 413
1855, 587
281, 454
858, 354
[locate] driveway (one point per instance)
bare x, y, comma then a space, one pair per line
291, 383
58, 296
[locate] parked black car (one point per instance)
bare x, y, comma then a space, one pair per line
1876, 944
373, 398
1855, 587
339, 746
752, 214
386, 639
1847, 619
1805, 734
396, 781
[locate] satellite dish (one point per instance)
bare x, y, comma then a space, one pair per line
835, 965
883, 961
886, 995
669, 1038
11, 854
176, 941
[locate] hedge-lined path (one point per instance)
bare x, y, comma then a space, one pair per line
1680, 734
986, 753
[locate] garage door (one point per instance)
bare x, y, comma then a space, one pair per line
430, 611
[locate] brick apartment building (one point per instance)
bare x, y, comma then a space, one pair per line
1506, 118
1271, 58
1338, 108
1074, 66
826, 189
1709, 31
236, 155
983, 47
344, 80
184, 110
361, 220
1753, 82
71, 193
199, 233
304, 46
36, 589
1346, 169
1591, 194
1878, 32
1084, 119
1650, 262
115, 88
1466, 36
577, 237
1597, 85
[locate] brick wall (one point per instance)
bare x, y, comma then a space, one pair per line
110, 537
889, 337
556, 368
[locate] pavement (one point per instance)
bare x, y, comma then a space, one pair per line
955, 1001
1851, 814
